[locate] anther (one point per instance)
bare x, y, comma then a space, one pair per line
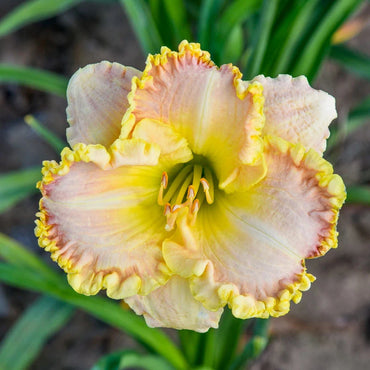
164, 183
191, 193
194, 211
206, 187
167, 209
164, 180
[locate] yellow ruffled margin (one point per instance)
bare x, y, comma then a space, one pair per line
214, 295
88, 281
252, 152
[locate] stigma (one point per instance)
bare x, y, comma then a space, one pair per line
191, 187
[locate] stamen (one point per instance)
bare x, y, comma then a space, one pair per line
176, 183
167, 209
164, 183
209, 177
194, 211
184, 192
197, 174
195, 207
191, 193
183, 189
206, 188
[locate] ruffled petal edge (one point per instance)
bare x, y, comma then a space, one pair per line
91, 282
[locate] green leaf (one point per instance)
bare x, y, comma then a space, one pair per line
262, 35
206, 21
354, 61
288, 35
177, 15
358, 194
45, 134
131, 359
105, 310
143, 24
310, 59
234, 45
233, 16
35, 78
25, 339
189, 341
17, 185
357, 117
17, 255
227, 339
255, 346
32, 11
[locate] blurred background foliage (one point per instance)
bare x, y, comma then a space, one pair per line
260, 37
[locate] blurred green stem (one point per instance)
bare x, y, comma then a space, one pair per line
255, 346
44, 133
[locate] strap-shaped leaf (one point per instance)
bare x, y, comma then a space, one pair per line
177, 14
233, 16
131, 359
32, 11
358, 194
25, 339
357, 117
354, 61
261, 37
284, 43
103, 309
315, 50
255, 346
35, 78
206, 21
53, 140
17, 185
143, 24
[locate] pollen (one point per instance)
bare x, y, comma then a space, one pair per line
190, 187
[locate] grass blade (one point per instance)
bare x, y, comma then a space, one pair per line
32, 11
53, 140
255, 346
131, 359
17, 185
358, 194
206, 21
227, 339
189, 342
17, 255
262, 36
177, 14
35, 78
143, 24
103, 309
289, 35
354, 61
234, 46
357, 117
26, 338
314, 52
234, 16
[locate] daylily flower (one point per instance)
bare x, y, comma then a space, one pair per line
189, 189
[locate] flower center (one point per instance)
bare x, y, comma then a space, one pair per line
185, 191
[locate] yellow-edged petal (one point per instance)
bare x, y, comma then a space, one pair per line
296, 112
211, 108
174, 148
97, 101
248, 248
173, 306
100, 220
